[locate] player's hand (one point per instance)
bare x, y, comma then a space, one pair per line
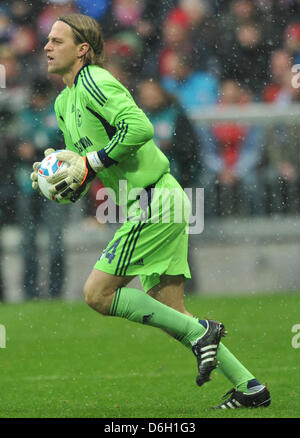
35, 168
69, 180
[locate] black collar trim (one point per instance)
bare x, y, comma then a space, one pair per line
77, 75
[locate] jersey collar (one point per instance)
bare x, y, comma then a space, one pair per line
77, 75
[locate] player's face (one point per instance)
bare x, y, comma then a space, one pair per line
62, 52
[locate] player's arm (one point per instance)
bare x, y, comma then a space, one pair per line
132, 130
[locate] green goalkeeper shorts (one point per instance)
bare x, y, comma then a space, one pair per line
154, 239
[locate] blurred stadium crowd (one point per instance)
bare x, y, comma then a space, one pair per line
175, 56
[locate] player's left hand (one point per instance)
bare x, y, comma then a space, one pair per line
68, 181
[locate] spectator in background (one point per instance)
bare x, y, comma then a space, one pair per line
247, 59
292, 41
202, 29
8, 190
280, 66
38, 130
243, 10
287, 93
49, 12
244, 45
190, 29
282, 155
173, 132
230, 156
175, 34
24, 44
13, 96
194, 89
149, 28
234, 13
23, 12
282, 169
122, 39
123, 15
24, 41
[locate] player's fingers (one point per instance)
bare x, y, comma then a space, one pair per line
66, 156
74, 185
58, 177
63, 189
64, 194
35, 185
36, 166
34, 176
58, 188
34, 179
48, 151
61, 185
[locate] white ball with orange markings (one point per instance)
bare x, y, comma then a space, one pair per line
48, 167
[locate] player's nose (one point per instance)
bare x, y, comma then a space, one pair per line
47, 46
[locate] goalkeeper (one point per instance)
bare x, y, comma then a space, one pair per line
107, 135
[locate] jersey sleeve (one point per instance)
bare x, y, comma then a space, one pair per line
114, 103
58, 107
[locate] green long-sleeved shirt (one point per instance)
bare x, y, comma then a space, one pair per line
99, 114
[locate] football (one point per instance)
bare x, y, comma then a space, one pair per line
48, 167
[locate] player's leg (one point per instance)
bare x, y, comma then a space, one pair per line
170, 291
108, 295
99, 290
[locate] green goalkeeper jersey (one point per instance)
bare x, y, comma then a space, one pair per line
99, 114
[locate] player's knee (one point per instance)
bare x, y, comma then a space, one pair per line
95, 298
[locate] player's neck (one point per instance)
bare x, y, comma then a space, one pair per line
69, 77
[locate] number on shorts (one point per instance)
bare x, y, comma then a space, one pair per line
111, 252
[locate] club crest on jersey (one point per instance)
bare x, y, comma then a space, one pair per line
78, 118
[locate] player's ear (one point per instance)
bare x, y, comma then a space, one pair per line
83, 49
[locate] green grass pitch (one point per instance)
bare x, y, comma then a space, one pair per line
63, 360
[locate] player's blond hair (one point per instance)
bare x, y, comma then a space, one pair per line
87, 30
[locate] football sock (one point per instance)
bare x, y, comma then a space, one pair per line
232, 368
250, 387
137, 306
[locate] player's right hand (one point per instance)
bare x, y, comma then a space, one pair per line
35, 168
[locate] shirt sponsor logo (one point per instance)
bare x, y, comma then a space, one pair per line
83, 143
78, 118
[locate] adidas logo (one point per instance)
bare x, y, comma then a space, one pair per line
146, 318
139, 262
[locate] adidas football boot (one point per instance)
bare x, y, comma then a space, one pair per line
237, 399
205, 349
